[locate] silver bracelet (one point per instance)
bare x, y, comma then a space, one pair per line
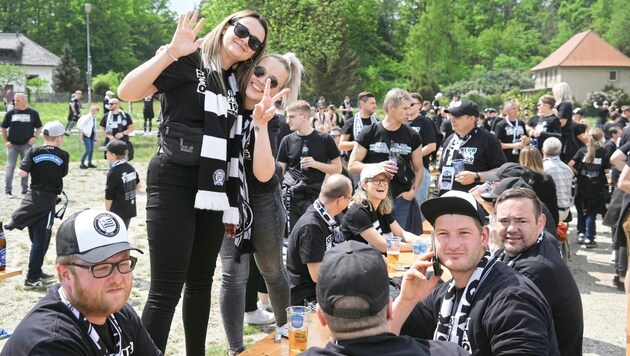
170, 54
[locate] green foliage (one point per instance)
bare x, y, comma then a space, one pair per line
11, 74
490, 83
610, 93
108, 81
67, 76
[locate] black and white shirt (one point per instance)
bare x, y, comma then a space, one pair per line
21, 125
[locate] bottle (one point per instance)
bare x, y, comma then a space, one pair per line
305, 153
534, 142
393, 156
3, 249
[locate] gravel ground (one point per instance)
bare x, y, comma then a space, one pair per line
604, 306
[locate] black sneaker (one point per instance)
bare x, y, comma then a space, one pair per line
83, 166
37, 283
48, 277
67, 133
91, 166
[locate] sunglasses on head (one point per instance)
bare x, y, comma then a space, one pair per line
260, 71
242, 32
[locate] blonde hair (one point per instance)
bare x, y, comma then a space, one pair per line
361, 197
531, 158
596, 140
301, 106
294, 67
562, 92
212, 45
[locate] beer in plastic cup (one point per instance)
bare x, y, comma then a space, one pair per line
298, 328
393, 252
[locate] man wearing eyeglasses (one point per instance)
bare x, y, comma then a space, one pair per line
316, 232
117, 125
86, 313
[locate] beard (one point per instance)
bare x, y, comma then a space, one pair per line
92, 301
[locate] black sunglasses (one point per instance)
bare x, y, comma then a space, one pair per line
260, 71
242, 32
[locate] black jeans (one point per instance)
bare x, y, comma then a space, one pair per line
184, 243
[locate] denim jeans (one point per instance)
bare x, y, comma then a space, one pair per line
39, 233
590, 226
401, 211
12, 156
89, 150
267, 235
423, 190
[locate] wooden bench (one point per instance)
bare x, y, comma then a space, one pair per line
8, 274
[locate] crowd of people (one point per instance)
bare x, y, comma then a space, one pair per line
248, 173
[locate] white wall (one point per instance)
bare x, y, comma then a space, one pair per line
583, 80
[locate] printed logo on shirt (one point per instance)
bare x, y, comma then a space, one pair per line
48, 157
510, 131
21, 118
381, 147
468, 154
232, 104
201, 77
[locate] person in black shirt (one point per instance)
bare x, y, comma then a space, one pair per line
546, 124
615, 121
122, 182
346, 109
47, 165
148, 113
315, 233
427, 130
526, 248
478, 151
87, 314
74, 111
353, 302
363, 118
108, 96
512, 132
20, 128
603, 112
117, 125
487, 307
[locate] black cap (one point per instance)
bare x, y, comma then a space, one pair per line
578, 111
509, 169
452, 202
352, 269
117, 147
466, 108
93, 236
507, 183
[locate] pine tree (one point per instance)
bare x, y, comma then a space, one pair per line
67, 76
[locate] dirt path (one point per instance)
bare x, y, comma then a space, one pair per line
604, 306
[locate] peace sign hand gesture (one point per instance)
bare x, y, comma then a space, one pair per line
183, 42
265, 109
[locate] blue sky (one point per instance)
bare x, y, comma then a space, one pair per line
181, 6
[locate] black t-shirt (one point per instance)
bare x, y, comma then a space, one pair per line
565, 110
321, 146
309, 240
426, 128
47, 166
147, 110
50, 328
509, 315
120, 188
549, 126
570, 141
544, 266
481, 153
76, 105
387, 344
510, 132
593, 171
21, 125
348, 127
119, 123
105, 105
377, 141
359, 218
602, 116
273, 129
446, 127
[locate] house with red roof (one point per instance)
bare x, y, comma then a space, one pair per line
587, 63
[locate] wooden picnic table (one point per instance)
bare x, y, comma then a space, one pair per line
8, 274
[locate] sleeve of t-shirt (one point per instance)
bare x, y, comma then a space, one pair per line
444, 126
348, 126
625, 148
628, 161
579, 155
143, 345
421, 323
130, 121
6, 122
565, 110
496, 157
66, 163
500, 132
110, 186
389, 219
312, 243
27, 161
173, 76
282, 150
103, 122
331, 148
416, 140
428, 133
357, 220
366, 135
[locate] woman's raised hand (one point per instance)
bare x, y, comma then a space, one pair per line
265, 109
183, 42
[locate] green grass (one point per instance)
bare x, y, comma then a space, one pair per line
144, 147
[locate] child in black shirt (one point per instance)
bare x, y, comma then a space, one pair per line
122, 182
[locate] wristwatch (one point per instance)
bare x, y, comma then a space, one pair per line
477, 177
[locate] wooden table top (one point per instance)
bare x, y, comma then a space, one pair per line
8, 274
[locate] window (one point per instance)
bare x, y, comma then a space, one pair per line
613, 76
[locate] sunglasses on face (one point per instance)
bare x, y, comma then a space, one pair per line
260, 71
242, 32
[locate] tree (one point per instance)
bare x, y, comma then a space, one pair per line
35, 86
11, 74
67, 76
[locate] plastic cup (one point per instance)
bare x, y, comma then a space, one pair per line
420, 246
298, 328
393, 252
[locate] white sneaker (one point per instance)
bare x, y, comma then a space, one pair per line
259, 317
283, 330
266, 307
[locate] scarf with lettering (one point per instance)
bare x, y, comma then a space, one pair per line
453, 328
243, 240
358, 124
221, 174
333, 225
89, 328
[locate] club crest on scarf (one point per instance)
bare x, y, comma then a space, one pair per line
218, 177
247, 219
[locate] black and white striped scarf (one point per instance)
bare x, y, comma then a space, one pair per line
453, 328
243, 239
358, 124
89, 328
221, 174
335, 237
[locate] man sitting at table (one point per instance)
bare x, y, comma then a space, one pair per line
316, 232
353, 300
487, 308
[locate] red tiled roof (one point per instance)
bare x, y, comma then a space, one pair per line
586, 49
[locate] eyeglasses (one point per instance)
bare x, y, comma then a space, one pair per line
242, 32
103, 270
260, 71
378, 181
113, 103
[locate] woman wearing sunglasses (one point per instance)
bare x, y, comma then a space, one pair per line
369, 218
193, 195
272, 78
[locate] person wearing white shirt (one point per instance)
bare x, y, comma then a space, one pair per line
87, 129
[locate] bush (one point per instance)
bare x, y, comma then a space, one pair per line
108, 81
